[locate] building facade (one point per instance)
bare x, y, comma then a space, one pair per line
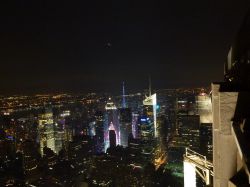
111, 122
46, 131
230, 103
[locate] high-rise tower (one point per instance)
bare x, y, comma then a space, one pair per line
99, 118
111, 121
231, 127
46, 130
149, 126
125, 120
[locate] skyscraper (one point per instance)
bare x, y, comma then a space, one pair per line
204, 109
99, 118
111, 122
135, 122
231, 101
112, 138
46, 130
148, 126
125, 120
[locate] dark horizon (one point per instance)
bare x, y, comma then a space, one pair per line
94, 46
108, 90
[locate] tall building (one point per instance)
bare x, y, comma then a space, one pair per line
148, 126
59, 140
68, 132
125, 121
230, 103
111, 121
99, 118
204, 109
92, 128
135, 122
112, 138
46, 130
30, 158
188, 133
206, 140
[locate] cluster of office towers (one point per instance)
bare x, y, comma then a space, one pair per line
110, 128
122, 123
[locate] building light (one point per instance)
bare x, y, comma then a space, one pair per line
189, 175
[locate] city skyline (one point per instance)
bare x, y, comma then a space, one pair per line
125, 93
95, 46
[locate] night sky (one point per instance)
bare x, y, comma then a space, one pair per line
82, 46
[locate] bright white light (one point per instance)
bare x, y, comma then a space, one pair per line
151, 101
189, 174
110, 106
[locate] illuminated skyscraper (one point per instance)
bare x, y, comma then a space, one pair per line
204, 109
231, 101
59, 140
148, 127
111, 122
46, 130
125, 120
148, 123
135, 122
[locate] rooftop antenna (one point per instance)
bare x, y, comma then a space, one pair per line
123, 95
149, 81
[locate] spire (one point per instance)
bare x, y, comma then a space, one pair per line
123, 95
149, 88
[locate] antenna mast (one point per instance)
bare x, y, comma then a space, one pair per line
149, 81
123, 95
